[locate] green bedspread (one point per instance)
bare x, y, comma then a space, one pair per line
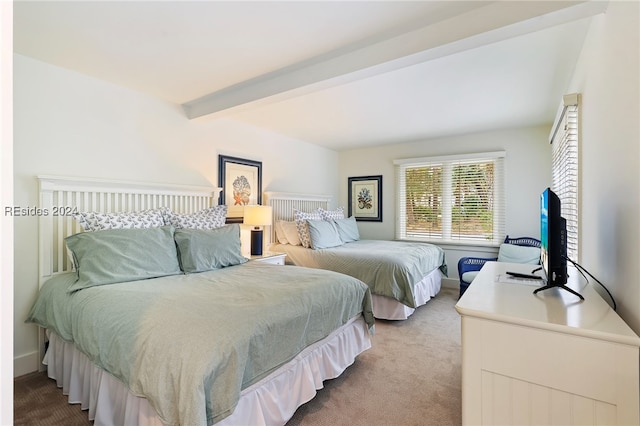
191, 343
390, 268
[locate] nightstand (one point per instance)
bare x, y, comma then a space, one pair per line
270, 257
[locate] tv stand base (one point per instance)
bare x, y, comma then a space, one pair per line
564, 287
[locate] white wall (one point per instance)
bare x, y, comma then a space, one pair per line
607, 75
6, 222
69, 124
527, 173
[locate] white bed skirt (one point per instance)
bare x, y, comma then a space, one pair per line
271, 401
391, 309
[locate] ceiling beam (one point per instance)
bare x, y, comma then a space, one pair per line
469, 29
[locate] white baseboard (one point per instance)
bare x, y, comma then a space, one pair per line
451, 283
26, 364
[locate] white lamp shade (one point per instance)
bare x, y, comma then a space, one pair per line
257, 215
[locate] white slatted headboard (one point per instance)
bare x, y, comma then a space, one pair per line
61, 196
284, 203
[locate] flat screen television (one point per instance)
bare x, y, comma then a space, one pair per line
553, 243
553, 239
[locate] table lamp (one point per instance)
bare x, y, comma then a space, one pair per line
257, 216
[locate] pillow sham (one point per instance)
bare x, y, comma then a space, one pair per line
323, 234
301, 224
331, 214
518, 254
348, 229
96, 221
280, 235
118, 255
210, 218
202, 250
291, 232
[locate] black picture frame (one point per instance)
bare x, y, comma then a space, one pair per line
241, 183
365, 198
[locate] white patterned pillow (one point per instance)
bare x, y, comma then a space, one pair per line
301, 224
211, 218
332, 214
95, 221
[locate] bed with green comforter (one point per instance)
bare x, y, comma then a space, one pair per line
189, 343
392, 269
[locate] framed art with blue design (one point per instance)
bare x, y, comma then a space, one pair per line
241, 183
365, 198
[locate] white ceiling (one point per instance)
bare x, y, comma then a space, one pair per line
341, 74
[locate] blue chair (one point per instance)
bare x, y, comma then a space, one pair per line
468, 267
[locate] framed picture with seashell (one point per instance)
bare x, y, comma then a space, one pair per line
241, 183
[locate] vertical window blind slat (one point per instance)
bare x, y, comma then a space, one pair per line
565, 173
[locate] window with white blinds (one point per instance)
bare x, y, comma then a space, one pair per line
564, 168
455, 199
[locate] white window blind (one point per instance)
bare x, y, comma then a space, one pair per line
564, 168
457, 199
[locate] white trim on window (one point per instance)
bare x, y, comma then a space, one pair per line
444, 158
565, 176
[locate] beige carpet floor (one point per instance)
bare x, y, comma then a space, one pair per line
411, 376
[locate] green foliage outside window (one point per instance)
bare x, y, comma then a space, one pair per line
471, 198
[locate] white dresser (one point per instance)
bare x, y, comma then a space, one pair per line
545, 359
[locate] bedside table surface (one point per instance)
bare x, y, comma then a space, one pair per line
266, 254
269, 257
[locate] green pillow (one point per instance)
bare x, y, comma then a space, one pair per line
119, 255
202, 250
518, 254
323, 234
348, 229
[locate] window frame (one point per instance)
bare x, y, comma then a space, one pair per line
499, 211
565, 168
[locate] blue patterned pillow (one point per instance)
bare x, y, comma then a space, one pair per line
301, 224
96, 221
332, 214
211, 218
